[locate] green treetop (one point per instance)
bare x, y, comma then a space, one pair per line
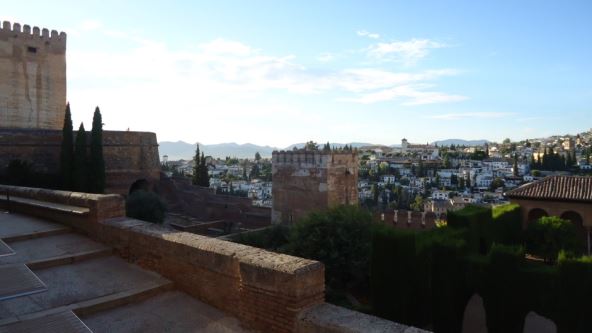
67, 151
96, 182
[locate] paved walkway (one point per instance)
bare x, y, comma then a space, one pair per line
88, 288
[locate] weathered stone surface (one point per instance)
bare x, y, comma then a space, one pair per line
474, 320
305, 181
533, 323
33, 72
129, 156
329, 318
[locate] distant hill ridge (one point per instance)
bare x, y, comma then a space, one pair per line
183, 150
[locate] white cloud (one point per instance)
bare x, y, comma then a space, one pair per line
147, 82
364, 33
465, 115
406, 52
326, 57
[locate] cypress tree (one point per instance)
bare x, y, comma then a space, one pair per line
515, 166
67, 151
80, 168
204, 177
195, 180
96, 181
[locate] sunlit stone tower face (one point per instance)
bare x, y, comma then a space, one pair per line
32, 77
306, 181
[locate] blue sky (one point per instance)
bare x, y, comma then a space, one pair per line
279, 72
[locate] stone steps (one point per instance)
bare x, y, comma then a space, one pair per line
88, 287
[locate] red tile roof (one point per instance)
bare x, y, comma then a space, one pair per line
562, 188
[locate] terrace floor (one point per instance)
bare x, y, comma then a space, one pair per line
55, 280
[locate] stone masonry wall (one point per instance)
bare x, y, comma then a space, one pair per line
129, 156
33, 72
305, 181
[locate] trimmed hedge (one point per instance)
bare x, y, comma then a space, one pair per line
506, 226
477, 220
503, 289
573, 295
393, 274
419, 278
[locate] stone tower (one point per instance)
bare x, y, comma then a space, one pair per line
32, 77
305, 181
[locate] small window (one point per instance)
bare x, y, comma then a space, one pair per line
31, 49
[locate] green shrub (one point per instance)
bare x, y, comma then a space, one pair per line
506, 226
146, 206
550, 234
340, 238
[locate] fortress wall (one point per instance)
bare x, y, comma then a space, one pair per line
129, 156
33, 72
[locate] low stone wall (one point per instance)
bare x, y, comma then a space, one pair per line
329, 318
265, 290
81, 211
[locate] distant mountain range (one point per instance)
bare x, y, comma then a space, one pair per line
183, 150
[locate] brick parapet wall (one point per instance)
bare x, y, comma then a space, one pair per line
99, 207
265, 290
405, 219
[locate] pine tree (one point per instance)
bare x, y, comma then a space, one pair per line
257, 156
195, 180
80, 167
96, 180
67, 151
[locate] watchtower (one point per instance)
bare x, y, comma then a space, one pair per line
33, 77
305, 181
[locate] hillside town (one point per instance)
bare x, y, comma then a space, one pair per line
419, 177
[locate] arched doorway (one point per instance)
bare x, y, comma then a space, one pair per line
536, 214
576, 219
140, 184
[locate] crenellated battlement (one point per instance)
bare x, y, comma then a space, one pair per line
33, 61
34, 37
313, 157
